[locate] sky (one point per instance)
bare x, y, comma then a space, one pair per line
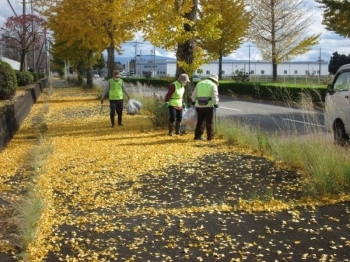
330, 42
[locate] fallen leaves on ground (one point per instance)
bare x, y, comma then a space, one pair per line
132, 193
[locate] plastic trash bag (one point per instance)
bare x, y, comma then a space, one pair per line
190, 118
133, 107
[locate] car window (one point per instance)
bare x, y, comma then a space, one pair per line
342, 83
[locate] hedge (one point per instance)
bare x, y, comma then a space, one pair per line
258, 90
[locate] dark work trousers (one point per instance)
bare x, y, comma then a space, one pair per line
116, 106
174, 114
205, 120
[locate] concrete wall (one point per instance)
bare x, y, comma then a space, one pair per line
13, 116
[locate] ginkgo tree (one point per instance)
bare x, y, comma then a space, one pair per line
197, 30
280, 29
74, 35
94, 26
17, 34
172, 27
233, 21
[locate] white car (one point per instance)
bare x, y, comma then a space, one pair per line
337, 106
95, 74
196, 78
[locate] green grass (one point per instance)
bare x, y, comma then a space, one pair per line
28, 214
29, 209
324, 165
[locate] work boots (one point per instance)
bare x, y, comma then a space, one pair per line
170, 125
177, 128
112, 121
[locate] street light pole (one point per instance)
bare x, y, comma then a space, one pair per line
153, 53
33, 30
23, 36
249, 64
135, 68
154, 60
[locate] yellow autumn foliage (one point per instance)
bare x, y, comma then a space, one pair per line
83, 181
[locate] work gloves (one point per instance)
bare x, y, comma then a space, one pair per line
216, 108
184, 106
166, 104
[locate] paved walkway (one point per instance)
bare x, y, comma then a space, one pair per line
134, 194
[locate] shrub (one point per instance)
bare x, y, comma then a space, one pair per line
60, 71
24, 78
8, 81
35, 76
240, 76
158, 115
41, 75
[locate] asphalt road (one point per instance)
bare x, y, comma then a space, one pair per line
272, 117
269, 116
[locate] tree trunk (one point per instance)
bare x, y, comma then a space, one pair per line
185, 50
39, 58
220, 66
23, 61
274, 71
273, 41
110, 61
89, 81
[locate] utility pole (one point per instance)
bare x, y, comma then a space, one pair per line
47, 49
23, 36
154, 60
153, 53
319, 67
136, 44
33, 32
249, 63
135, 56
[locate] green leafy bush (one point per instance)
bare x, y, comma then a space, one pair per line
24, 78
240, 76
41, 75
158, 115
35, 76
8, 81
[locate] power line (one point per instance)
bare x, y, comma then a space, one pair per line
8, 1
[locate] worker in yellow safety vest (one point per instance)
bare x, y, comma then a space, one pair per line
205, 98
175, 104
115, 89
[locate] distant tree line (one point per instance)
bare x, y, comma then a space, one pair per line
337, 60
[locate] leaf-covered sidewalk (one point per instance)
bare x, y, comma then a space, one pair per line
132, 193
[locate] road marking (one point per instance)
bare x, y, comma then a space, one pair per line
230, 108
292, 120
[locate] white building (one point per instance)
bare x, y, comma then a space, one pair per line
14, 64
167, 67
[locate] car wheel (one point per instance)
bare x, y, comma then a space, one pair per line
340, 137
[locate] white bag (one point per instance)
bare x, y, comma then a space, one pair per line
190, 118
133, 107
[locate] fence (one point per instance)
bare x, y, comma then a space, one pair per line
307, 79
